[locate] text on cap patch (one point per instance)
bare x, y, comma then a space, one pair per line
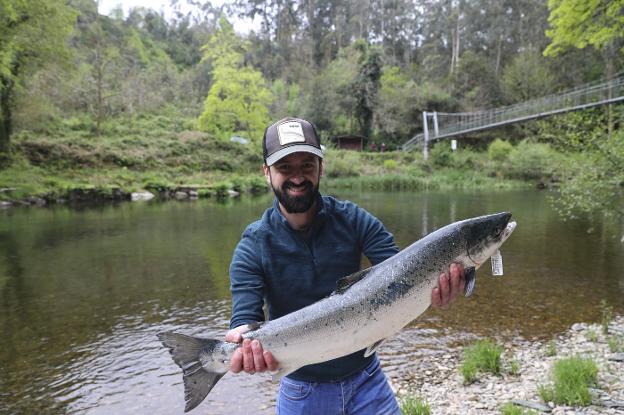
290, 132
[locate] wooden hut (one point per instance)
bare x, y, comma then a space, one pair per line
350, 142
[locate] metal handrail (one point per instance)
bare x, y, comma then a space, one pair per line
585, 96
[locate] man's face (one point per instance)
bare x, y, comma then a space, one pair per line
295, 181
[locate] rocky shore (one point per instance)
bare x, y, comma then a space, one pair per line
444, 390
96, 195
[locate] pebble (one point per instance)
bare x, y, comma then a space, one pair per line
489, 393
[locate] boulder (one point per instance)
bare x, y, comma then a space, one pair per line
141, 196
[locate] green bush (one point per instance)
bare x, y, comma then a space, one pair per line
414, 406
572, 378
221, 188
441, 154
342, 163
499, 150
532, 161
469, 160
390, 164
484, 356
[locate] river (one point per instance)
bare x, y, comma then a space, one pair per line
83, 292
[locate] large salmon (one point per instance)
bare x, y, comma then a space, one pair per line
365, 308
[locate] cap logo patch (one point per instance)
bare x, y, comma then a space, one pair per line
290, 132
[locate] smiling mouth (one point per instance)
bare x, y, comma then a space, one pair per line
297, 190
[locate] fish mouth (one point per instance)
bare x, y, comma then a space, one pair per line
505, 229
508, 230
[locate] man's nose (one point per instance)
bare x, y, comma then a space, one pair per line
297, 178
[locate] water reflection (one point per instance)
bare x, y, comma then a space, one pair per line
83, 293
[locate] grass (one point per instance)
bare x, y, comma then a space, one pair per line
511, 409
411, 405
606, 316
161, 152
483, 356
514, 368
592, 335
572, 378
551, 348
616, 344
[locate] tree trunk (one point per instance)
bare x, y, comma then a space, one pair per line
499, 46
610, 72
99, 86
455, 43
6, 95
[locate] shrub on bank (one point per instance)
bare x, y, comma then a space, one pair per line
532, 161
499, 150
483, 356
572, 378
341, 163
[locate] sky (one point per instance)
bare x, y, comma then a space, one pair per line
106, 6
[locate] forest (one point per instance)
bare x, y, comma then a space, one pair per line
70, 75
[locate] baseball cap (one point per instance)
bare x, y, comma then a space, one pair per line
287, 136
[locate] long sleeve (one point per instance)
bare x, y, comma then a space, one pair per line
376, 242
246, 283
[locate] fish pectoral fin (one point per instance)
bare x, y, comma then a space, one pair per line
344, 283
470, 275
373, 347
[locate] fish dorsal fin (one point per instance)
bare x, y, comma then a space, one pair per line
344, 283
373, 347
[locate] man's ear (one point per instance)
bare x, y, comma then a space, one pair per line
320, 167
267, 174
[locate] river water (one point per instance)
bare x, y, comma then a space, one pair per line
83, 293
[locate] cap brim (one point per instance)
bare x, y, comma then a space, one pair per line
301, 148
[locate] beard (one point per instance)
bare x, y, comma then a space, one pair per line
296, 204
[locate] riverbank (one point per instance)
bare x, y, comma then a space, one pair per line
167, 158
442, 386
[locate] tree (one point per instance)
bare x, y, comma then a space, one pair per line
594, 181
527, 76
578, 23
238, 99
366, 86
32, 33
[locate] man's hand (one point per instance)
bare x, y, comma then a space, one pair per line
449, 286
250, 357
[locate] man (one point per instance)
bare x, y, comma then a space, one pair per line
292, 257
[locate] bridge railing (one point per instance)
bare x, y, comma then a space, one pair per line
585, 96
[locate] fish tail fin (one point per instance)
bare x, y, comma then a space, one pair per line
199, 379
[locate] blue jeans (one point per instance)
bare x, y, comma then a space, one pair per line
366, 392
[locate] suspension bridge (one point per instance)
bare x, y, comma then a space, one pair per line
439, 125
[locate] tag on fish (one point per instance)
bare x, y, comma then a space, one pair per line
497, 263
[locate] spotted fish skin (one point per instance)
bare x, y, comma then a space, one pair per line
366, 308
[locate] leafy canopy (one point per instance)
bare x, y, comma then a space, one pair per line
239, 98
578, 23
31, 34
